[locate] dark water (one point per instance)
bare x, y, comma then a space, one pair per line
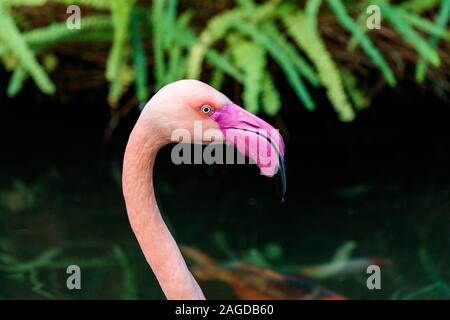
382, 182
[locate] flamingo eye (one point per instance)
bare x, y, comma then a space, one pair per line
206, 109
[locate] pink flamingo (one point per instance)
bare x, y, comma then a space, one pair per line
178, 106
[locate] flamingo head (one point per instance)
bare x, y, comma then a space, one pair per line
194, 106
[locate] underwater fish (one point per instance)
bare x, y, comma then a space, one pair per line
254, 283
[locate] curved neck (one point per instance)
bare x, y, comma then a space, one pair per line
155, 240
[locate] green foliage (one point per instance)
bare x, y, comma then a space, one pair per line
441, 22
251, 59
310, 41
215, 30
16, 44
17, 81
280, 57
419, 6
116, 68
347, 22
130, 290
246, 43
271, 101
139, 57
409, 34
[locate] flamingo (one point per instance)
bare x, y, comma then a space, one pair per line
180, 105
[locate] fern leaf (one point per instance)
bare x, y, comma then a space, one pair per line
356, 95
441, 22
93, 36
425, 25
303, 66
360, 24
120, 84
271, 101
280, 57
309, 40
220, 61
96, 4
16, 82
120, 10
251, 59
12, 3
139, 57
217, 78
58, 31
408, 33
246, 4
169, 22
158, 46
174, 68
15, 42
312, 8
186, 38
215, 30
347, 22
419, 6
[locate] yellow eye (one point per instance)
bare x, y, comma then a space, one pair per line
206, 108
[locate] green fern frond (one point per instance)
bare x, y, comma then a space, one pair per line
301, 64
360, 22
220, 61
312, 8
347, 22
250, 58
20, 75
158, 46
357, 97
12, 3
215, 30
120, 84
93, 36
186, 38
15, 42
271, 101
183, 38
280, 57
170, 19
139, 57
441, 22
265, 11
247, 5
309, 40
120, 11
217, 78
425, 25
419, 6
409, 34
16, 82
174, 66
56, 32
96, 4
218, 27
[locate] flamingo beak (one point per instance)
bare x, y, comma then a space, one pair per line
254, 138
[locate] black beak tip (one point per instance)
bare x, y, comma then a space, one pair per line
280, 179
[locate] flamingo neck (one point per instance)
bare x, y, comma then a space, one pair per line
155, 240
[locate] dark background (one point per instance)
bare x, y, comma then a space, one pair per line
382, 181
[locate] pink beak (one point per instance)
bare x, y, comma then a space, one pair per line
254, 138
